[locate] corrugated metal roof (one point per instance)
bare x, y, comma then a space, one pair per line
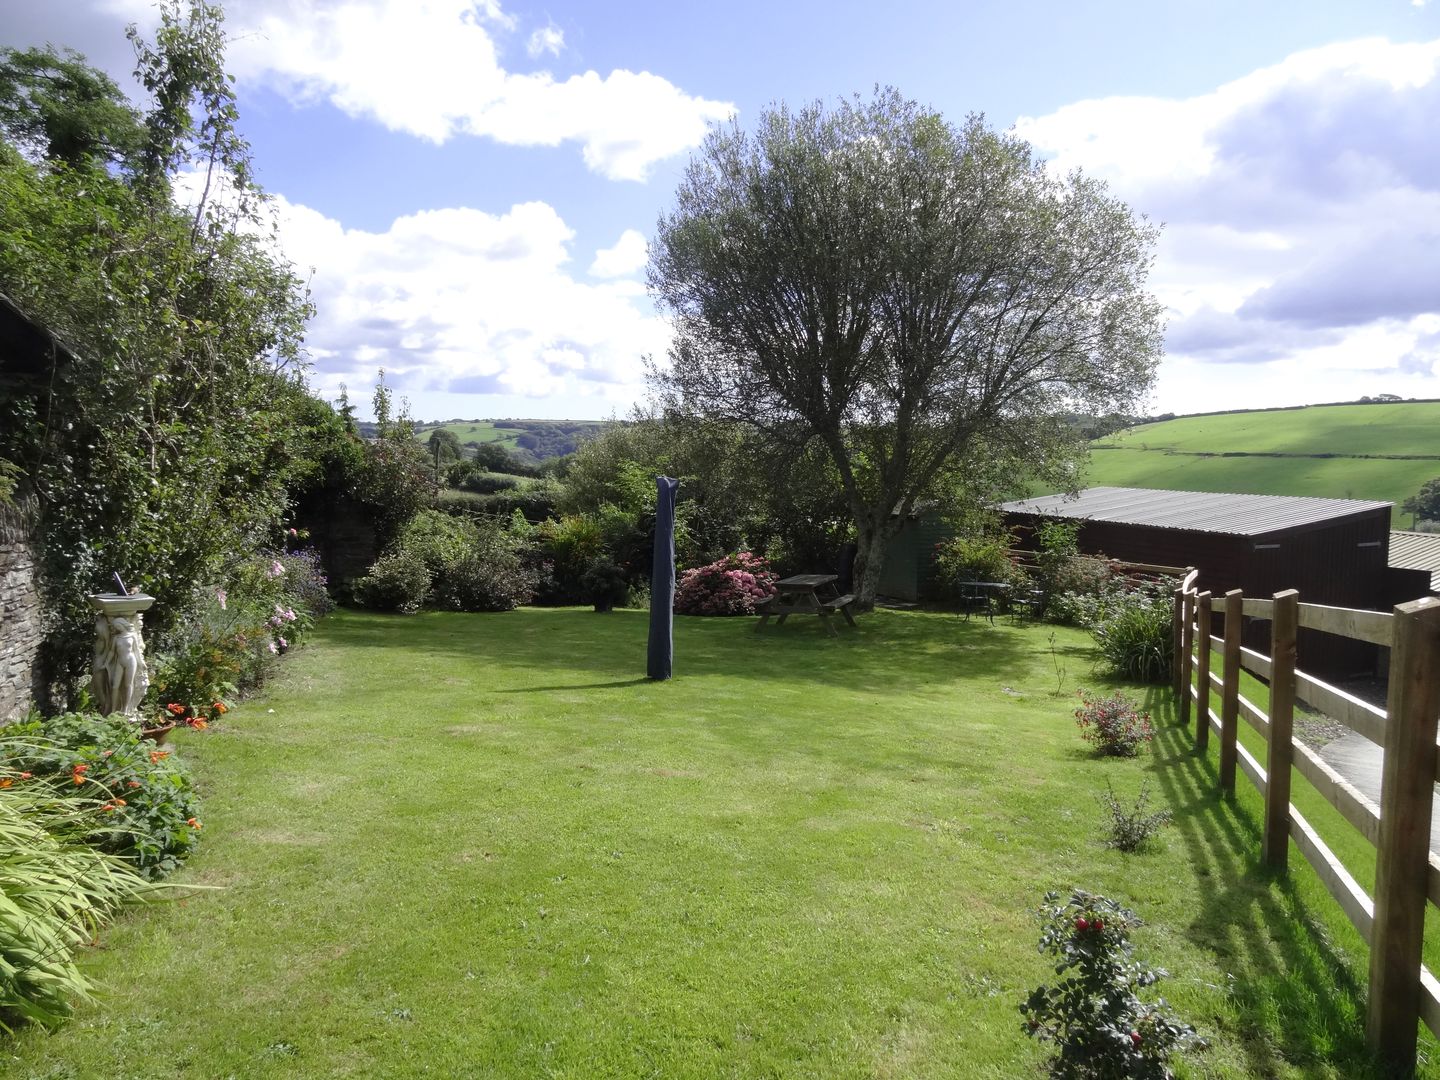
1417, 551
1194, 511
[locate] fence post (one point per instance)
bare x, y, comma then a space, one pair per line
1187, 665
1285, 620
1202, 672
1402, 860
1230, 695
1177, 617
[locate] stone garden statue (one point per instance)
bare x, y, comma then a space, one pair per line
118, 676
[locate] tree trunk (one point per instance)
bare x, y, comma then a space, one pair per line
869, 560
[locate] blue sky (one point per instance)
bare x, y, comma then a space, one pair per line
468, 186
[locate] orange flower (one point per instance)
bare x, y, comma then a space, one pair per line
7, 782
133, 783
220, 707
157, 756
108, 807
192, 823
121, 802
197, 723
178, 710
79, 767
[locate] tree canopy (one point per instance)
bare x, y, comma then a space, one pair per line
923, 301
1425, 503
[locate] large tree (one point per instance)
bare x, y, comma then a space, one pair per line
926, 302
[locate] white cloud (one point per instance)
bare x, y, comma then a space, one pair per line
1302, 210
546, 39
625, 257
462, 301
434, 69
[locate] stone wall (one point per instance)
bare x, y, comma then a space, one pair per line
20, 617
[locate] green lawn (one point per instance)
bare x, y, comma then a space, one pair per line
1167, 454
461, 845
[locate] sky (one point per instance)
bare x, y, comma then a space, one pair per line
468, 187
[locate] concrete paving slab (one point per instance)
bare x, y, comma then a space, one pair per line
1359, 760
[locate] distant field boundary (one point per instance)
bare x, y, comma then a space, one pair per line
1265, 453
1281, 408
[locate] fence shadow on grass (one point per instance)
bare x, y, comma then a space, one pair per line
1298, 997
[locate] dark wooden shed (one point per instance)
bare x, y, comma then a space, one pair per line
1334, 551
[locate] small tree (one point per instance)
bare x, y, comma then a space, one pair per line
1425, 503
925, 303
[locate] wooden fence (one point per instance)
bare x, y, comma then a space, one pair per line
1407, 877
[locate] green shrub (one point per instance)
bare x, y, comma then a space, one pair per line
569, 545
137, 799
1094, 1015
398, 581
975, 558
1132, 627
491, 574
605, 585
55, 892
488, 483
1129, 828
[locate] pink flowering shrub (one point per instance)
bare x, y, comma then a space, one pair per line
1114, 725
731, 586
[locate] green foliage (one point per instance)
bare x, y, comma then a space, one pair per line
398, 581
163, 446
1129, 828
605, 584
1425, 503
1102, 1028
488, 483
1114, 725
969, 299
53, 104
975, 558
55, 893
1132, 628
137, 801
458, 564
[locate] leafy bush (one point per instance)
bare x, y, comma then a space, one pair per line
1130, 828
605, 584
975, 558
398, 581
137, 799
459, 565
1094, 1014
731, 586
1132, 627
55, 891
1114, 725
488, 483
569, 544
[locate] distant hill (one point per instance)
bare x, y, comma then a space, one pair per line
532, 441
1361, 451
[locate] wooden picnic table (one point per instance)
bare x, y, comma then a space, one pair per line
807, 594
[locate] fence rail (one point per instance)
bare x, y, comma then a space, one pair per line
1407, 876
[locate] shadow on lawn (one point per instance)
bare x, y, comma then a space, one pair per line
887, 651
1298, 999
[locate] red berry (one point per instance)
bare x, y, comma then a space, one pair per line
1097, 926
1134, 1038
1082, 924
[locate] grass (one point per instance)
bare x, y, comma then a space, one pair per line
460, 845
1331, 452
480, 431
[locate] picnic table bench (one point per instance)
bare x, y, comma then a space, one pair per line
807, 594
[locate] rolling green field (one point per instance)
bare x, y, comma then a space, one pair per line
480, 431
1332, 451
484, 845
